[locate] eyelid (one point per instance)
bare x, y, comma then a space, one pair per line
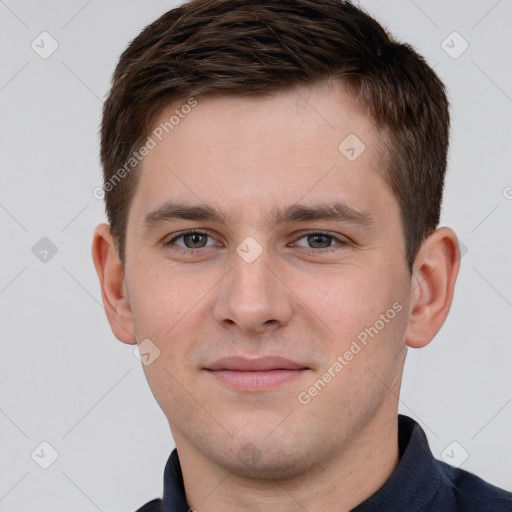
336, 236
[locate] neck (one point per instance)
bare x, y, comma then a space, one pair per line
340, 484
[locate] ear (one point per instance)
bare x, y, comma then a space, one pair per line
113, 288
432, 286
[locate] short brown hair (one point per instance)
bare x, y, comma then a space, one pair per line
257, 48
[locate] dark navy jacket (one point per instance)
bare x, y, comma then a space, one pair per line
420, 483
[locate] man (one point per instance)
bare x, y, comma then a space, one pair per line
273, 182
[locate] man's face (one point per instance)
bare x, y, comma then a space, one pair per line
304, 288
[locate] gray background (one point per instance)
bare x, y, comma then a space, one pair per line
66, 380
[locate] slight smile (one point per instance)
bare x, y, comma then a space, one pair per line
259, 374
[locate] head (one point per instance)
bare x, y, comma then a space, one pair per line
307, 148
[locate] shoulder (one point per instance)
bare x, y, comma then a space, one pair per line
152, 506
472, 493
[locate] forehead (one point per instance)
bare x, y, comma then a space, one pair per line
309, 143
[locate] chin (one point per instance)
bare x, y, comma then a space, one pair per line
272, 461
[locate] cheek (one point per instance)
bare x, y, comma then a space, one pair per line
169, 388
366, 315
161, 300
167, 308
347, 301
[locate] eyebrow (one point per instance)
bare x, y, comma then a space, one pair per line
336, 211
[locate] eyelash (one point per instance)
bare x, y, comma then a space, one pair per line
309, 250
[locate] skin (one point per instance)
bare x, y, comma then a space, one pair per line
247, 156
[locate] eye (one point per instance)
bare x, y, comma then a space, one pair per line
320, 240
191, 240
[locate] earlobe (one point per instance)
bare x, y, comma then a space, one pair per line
113, 287
432, 286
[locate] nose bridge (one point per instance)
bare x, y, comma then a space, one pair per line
252, 279
252, 297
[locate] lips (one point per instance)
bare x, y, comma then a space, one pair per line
253, 365
255, 375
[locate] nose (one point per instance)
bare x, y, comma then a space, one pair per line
252, 298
